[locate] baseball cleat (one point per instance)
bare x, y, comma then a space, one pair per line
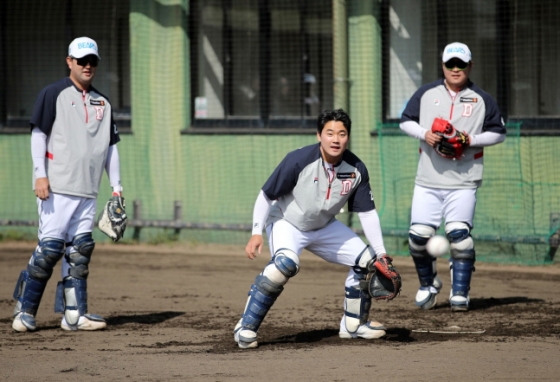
245, 338
370, 330
426, 297
24, 322
459, 303
89, 322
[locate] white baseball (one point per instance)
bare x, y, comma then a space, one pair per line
437, 246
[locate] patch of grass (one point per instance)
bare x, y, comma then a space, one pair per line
13, 235
164, 237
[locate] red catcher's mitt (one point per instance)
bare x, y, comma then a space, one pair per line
384, 283
452, 142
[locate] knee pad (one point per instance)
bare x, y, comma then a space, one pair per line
418, 236
364, 263
45, 257
79, 255
283, 265
462, 244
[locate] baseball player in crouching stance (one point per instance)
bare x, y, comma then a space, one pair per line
297, 205
454, 120
73, 139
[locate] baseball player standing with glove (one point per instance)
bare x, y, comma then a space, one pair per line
73, 139
454, 120
297, 206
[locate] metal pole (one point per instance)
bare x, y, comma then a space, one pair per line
340, 54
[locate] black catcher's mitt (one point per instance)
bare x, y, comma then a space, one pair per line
453, 142
112, 220
384, 282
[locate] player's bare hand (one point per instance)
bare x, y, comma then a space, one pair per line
42, 188
254, 246
432, 138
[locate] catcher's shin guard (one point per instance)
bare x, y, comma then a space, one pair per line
264, 292
461, 264
32, 282
357, 304
418, 237
71, 293
430, 284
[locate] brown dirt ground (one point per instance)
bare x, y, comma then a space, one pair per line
171, 310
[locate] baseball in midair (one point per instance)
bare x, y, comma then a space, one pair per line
438, 246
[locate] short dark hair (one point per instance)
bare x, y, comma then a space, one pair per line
333, 115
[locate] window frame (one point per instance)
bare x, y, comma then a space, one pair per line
264, 121
529, 125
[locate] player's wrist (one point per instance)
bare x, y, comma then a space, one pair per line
117, 191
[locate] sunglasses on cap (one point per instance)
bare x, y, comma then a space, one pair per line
456, 63
91, 59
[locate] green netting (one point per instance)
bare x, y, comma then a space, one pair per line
210, 95
515, 204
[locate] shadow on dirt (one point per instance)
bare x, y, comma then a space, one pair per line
146, 319
486, 303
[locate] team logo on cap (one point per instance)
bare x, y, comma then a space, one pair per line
87, 45
456, 49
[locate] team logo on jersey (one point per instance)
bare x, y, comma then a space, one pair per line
98, 113
346, 187
95, 102
73, 104
469, 99
316, 180
467, 110
436, 102
346, 175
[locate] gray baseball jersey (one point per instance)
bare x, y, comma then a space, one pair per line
80, 128
471, 110
308, 196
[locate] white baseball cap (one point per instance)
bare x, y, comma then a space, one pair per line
81, 47
456, 50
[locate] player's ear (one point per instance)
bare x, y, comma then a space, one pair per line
69, 62
319, 136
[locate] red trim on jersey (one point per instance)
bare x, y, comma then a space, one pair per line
85, 106
49, 155
478, 155
330, 174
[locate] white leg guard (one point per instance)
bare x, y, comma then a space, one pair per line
71, 296
356, 309
357, 303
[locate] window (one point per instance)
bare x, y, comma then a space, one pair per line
34, 43
513, 44
260, 63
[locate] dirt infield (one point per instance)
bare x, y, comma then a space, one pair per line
171, 310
